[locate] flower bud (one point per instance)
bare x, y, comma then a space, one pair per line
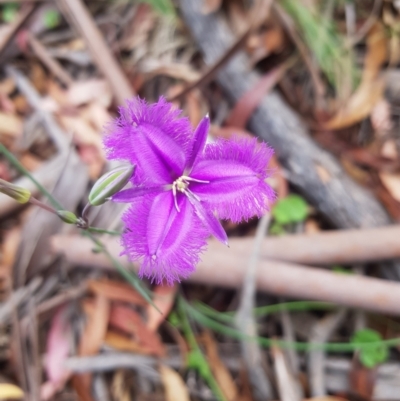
109, 184
67, 217
19, 194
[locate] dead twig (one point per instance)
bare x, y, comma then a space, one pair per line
245, 321
321, 333
76, 12
45, 57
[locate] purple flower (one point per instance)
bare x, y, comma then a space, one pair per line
180, 185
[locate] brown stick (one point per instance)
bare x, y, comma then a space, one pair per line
53, 65
329, 247
226, 268
77, 13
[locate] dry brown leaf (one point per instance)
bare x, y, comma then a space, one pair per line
94, 333
288, 386
116, 291
96, 115
391, 183
164, 296
124, 343
129, 321
90, 90
10, 124
377, 44
246, 105
359, 105
175, 387
221, 373
370, 90
211, 6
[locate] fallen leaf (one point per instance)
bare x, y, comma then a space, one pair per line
359, 106
86, 91
228, 132
391, 183
10, 391
389, 150
116, 291
164, 297
129, 321
96, 327
289, 386
175, 387
58, 349
123, 343
10, 124
248, 103
370, 90
221, 373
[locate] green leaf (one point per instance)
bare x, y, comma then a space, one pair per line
164, 7
371, 356
10, 12
51, 19
292, 209
197, 362
341, 270
276, 229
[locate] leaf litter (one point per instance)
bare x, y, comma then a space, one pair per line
333, 74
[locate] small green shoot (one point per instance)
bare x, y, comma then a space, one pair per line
10, 12
341, 270
51, 19
292, 209
373, 356
164, 7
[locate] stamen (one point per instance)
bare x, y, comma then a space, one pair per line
181, 185
186, 178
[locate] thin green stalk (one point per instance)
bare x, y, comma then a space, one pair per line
228, 317
202, 365
128, 276
266, 342
17, 165
97, 230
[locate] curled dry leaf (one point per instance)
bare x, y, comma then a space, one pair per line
58, 349
129, 321
116, 291
370, 90
96, 327
164, 297
175, 387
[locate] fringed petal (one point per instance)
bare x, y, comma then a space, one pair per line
209, 220
236, 170
166, 242
153, 137
198, 143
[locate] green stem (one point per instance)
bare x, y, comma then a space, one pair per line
204, 369
266, 342
18, 166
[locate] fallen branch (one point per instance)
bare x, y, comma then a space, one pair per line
226, 268
328, 247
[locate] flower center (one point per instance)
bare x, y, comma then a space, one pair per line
182, 185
